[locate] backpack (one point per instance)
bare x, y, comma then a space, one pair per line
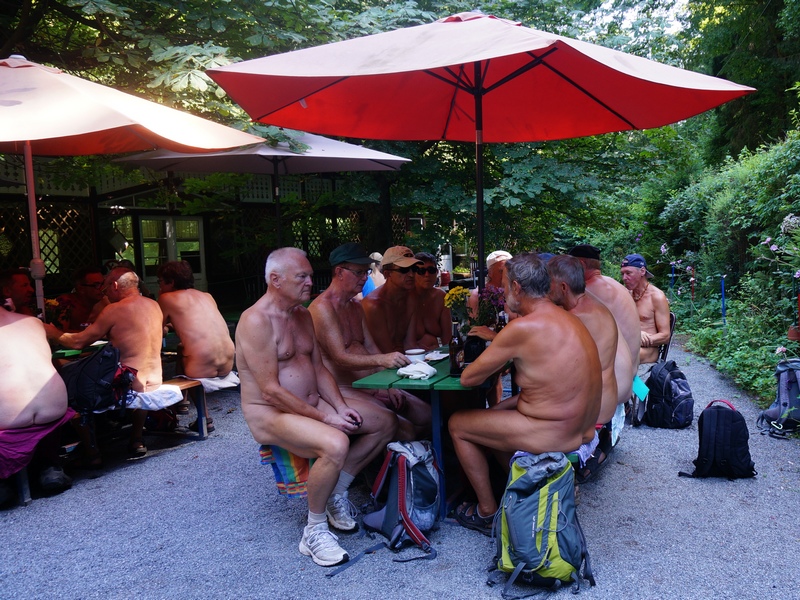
539, 538
669, 403
412, 503
724, 448
783, 416
98, 382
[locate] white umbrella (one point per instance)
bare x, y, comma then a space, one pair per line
46, 112
323, 155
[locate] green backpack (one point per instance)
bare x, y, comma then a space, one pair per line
539, 538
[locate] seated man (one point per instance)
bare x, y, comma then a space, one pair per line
618, 300
567, 290
78, 309
495, 273
206, 349
16, 288
33, 405
289, 399
432, 320
652, 306
390, 308
131, 323
347, 348
560, 379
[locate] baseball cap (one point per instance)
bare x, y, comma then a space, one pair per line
585, 251
637, 261
351, 252
402, 256
496, 256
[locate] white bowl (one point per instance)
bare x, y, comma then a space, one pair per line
416, 355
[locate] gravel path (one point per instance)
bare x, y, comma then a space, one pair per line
203, 519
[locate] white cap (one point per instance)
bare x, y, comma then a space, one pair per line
496, 256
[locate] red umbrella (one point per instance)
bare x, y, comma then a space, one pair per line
468, 77
46, 112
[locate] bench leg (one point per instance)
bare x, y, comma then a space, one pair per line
23, 487
198, 395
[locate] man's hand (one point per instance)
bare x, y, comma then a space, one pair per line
346, 420
646, 341
52, 332
397, 399
482, 332
394, 360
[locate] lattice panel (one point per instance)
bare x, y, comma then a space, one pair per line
315, 188
399, 228
66, 240
15, 239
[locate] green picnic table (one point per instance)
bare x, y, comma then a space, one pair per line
442, 381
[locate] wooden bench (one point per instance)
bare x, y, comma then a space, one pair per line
193, 389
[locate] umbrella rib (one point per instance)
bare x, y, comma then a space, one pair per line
322, 89
590, 95
537, 60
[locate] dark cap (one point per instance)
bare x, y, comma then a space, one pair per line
585, 251
351, 252
637, 261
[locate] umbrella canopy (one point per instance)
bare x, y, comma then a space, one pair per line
468, 77
323, 155
46, 112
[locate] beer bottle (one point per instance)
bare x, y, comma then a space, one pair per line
456, 352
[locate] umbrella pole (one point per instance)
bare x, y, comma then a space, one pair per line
277, 198
37, 266
479, 172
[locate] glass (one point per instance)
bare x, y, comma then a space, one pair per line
428, 270
359, 273
401, 270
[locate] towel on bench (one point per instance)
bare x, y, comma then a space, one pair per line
212, 384
291, 471
159, 398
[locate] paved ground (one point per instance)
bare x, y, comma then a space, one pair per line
202, 519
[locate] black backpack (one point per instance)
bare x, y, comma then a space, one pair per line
724, 447
783, 417
669, 403
98, 382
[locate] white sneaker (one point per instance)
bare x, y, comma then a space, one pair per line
322, 546
341, 513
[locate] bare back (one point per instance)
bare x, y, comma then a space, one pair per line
133, 325
207, 345
31, 392
619, 301
558, 372
603, 329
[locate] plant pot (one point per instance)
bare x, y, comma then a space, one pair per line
794, 333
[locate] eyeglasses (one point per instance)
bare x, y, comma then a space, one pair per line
428, 270
96, 286
358, 273
401, 270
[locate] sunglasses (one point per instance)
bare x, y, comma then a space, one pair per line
401, 270
358, 273
428, 270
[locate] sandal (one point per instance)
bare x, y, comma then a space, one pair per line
182, 407
209, 425
592, 467
137, 448
473, 520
